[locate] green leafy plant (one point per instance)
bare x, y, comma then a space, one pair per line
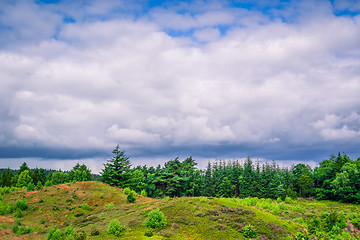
156, 219
94, 232
248, 231
21, 204
18, 213
143, 193
131, 197
126, 191
30, 187
109, 206
115, 228
85, 206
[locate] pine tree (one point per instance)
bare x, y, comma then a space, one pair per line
117, 170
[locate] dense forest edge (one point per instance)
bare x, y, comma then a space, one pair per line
279, 203
336, 178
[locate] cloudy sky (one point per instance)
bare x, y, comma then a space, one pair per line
274, 80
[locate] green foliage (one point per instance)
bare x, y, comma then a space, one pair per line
18, 213
115, 228
59, 177
143, 193
156, 219
30, 187
95, 232
80, 173
48, 183
149, 233
248, 231
109, 206
126, 191
39, 185
21, 204
24, 179
80, 235
131, 197
56, 234
20, 229
85, 206
288, 200
117, 170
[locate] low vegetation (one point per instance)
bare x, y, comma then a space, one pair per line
94, 210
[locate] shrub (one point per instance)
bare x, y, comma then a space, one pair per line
81, 235
94, 232
30, 187
126, 191
149, 234
69, 230
9, 208
48, 183
108, 206
19, 229
156, 219
143, 193
39, 185
115, 228
54, 234
288, 200
21, 204
18, 213
248, 231
131, 198
85, 206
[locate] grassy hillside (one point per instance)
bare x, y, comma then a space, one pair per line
91, 206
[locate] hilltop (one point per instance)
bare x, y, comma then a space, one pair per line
90, 206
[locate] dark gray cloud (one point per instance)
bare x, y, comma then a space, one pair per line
235, 82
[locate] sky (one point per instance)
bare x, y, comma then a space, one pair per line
273, 80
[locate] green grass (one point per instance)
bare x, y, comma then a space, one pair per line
91, 206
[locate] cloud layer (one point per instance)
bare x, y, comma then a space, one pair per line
197, 78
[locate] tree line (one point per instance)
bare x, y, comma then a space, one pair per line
39, 177
336, 178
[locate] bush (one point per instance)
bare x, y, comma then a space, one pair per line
80, 235
108, 206
131, 197
18, 213
126, 191
19, 229
48, 183
156, 219
94, 232
115, 228
30, 187
56, 234
143, 193
21, 204
85, 207
39, 185
288, 200
9, 208
149, 234
248, 231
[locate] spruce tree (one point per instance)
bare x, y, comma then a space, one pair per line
117, 170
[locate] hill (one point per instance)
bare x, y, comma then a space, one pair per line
90, 206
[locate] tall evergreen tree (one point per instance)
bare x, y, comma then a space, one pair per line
6, 178
117, 170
